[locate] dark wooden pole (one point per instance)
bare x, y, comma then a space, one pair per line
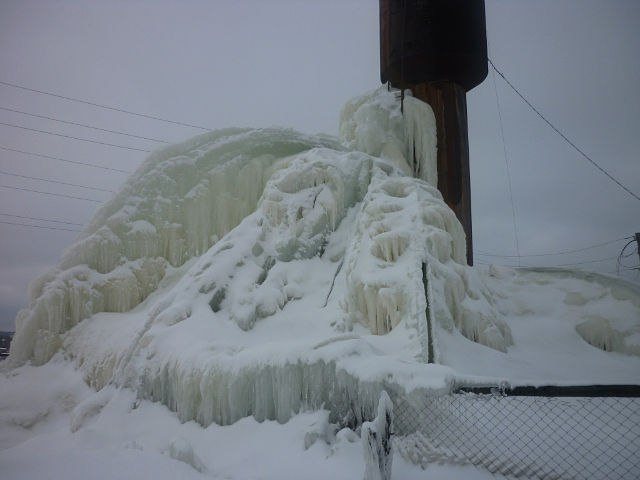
438, 49
449, 103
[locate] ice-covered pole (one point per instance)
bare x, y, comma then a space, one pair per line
376, 441
438, 50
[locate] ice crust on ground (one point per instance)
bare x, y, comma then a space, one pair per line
265, 272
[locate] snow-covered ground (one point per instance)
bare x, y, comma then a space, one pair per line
53, 426
550, 312
246, 297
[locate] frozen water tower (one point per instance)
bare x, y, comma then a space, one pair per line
438, 50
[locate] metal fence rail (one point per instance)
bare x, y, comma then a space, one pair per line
588, 432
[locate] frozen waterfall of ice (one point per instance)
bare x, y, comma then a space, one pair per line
264, 272
403, 224
179, 202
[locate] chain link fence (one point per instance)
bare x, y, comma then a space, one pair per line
590, 432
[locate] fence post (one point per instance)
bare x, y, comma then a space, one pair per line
427, 312
376, 441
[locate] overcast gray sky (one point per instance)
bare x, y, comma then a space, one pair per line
294, 63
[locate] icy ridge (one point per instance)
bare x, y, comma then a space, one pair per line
250, 274
403, 224
177, 204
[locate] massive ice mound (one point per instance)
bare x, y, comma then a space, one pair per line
186, 197
262, 272
266, 271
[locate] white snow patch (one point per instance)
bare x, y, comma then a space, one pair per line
129, 439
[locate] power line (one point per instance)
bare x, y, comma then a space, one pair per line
75, 138
562, 264
506, 162
51, 193
564, 137
84, 125
42, 219
561, 252
93, 165
584, 263
55, 181
39, 226
106, 107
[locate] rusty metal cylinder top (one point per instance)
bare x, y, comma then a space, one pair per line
432, 41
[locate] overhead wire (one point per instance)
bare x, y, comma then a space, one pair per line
40, 179
117, 109
560, 264
518, 255
39, 226
85, 125
74, 138
51, 193
561, 252
103, 106
42, 219
508, 169
585, 262
564, 137
60, 159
